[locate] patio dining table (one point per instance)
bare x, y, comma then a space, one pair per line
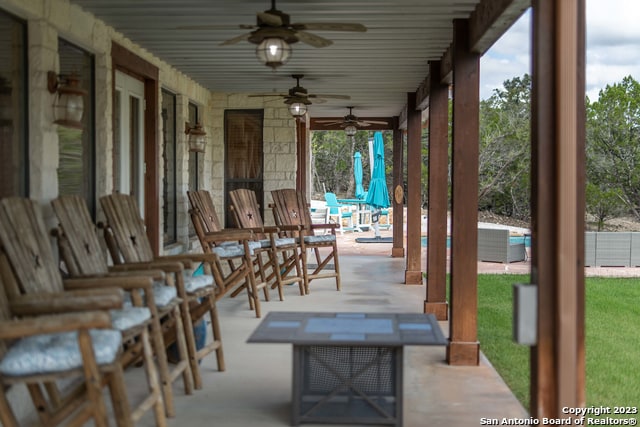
361, 213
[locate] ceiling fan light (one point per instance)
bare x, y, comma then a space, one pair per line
273, 52
297, 109
350, 130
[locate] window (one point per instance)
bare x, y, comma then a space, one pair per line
193, 156
76, 170
13, 107
169, 166
194, 159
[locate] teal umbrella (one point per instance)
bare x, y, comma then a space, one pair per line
357, 174
378, 195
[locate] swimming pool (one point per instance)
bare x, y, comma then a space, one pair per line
512, 239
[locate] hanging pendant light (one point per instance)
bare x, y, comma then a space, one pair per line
273, 52
350, 130
298, 109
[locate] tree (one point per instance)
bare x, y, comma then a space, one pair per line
613, 145
504, 160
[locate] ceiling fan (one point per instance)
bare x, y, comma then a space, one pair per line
350, 123
274, 32
298, 98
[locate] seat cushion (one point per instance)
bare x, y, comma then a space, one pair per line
193, 283
325, 238
234, 251
163, 295
49, 353
280, 241
129, 317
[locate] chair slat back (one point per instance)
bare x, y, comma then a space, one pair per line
290, 208
28, 253
77, 237
202, 205
246, 209
128, 233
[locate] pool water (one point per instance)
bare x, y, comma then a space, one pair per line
512, 240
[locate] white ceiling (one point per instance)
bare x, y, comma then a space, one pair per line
376, 68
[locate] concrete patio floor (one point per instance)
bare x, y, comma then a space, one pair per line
255, 389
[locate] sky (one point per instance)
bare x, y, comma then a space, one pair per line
613, 48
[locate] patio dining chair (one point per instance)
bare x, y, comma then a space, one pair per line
339, 212
31, 277
80, 249
283, 256
290, 209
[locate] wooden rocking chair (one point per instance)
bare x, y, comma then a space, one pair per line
246, 211
82, 254
87, 354
214, 239
30, 275
290, 209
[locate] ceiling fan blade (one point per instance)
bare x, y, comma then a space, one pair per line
328, 122
312, 39
268, 94
375, 122
330, 26
317, 95
236, 39
363, 124
270, 19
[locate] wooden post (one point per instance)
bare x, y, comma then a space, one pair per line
413, 274
464, 347
436, 298
302, 148
398, 190
557, 177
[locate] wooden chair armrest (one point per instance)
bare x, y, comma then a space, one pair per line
323, 226
158, 275
122, 281
229, 235
174, 266
12, 329
66, 302
181, 258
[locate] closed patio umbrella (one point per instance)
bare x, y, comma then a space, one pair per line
378, 195
357, 174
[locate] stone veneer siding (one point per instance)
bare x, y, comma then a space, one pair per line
50, 19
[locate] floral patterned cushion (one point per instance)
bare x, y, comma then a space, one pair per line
281, 241
324, 238
193, 283
162, 294
129, 317
234, 251
48, 353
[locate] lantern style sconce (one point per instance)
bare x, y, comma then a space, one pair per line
197, 137
68, 106
273, 52
350, 130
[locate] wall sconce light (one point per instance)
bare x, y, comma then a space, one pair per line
350, 130
273, 52
197, 140
68, 106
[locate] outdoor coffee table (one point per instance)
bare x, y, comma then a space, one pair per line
348, 367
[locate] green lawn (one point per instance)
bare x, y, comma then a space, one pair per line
613, 338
